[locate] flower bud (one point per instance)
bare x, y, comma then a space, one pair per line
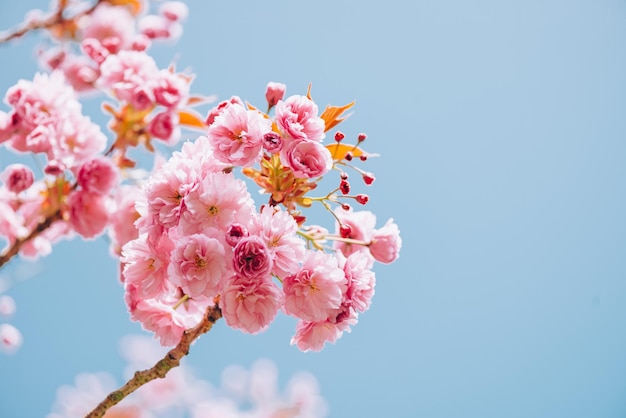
18, 177
274, 93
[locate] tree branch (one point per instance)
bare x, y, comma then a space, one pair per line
159, 370
17, 245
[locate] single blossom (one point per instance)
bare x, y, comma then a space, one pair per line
317, 289
10, 338
274, 92
297, 118
306, 159
164, 126
361, 280
88, 213
237, 135
250, 304
199, 264
111, 25
17, 177
252, 258
386, 243
97, 175
7, 306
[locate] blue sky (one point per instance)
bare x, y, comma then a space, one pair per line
501, 130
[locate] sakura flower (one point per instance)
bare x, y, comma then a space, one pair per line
174, 10
307, 159
252, 258
361, 280
17, 177
361, 227
316, 290
170, 89
237, 135
10, 338
164, 126
88, 213
386, 243
219, 200
274, 92
144, 267
97, 175
297, 118
111, 25
279, 231
198, 265
250, 304
126, 71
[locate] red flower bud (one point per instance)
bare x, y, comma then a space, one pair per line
339, 136
344, 186
362, 198
361, 137
368, 178
345, 231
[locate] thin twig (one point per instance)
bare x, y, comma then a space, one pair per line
52, 20
159, 370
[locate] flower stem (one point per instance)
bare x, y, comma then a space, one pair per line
162, 367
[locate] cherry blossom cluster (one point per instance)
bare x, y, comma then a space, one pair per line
243, 393
203, 241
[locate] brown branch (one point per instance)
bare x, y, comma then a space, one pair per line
159, 370
17, 245
52, 20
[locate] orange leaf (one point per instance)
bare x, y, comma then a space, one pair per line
333, 115
191, 119
133, 5
338, 151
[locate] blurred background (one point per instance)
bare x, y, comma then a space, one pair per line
501, 130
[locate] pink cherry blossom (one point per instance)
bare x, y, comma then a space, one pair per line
164, 126
279, 231
237, 135
10, 338
307, 159
17, 177
311, 336
361, 280
362, 224
126, 71
252, 258
198, 265
219, 200
88, 213
170, 89
297, 118
144, 267
167, 323
250, 304
97, 175
316, 290
274, 92
110, 25
174, 10
386, 243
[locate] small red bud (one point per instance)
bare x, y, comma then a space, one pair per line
344, 175
339, 136
345, 206
361, 137
368, 178
362, 198
344, 186
348, 156
363, 157
299, 219
345, 231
